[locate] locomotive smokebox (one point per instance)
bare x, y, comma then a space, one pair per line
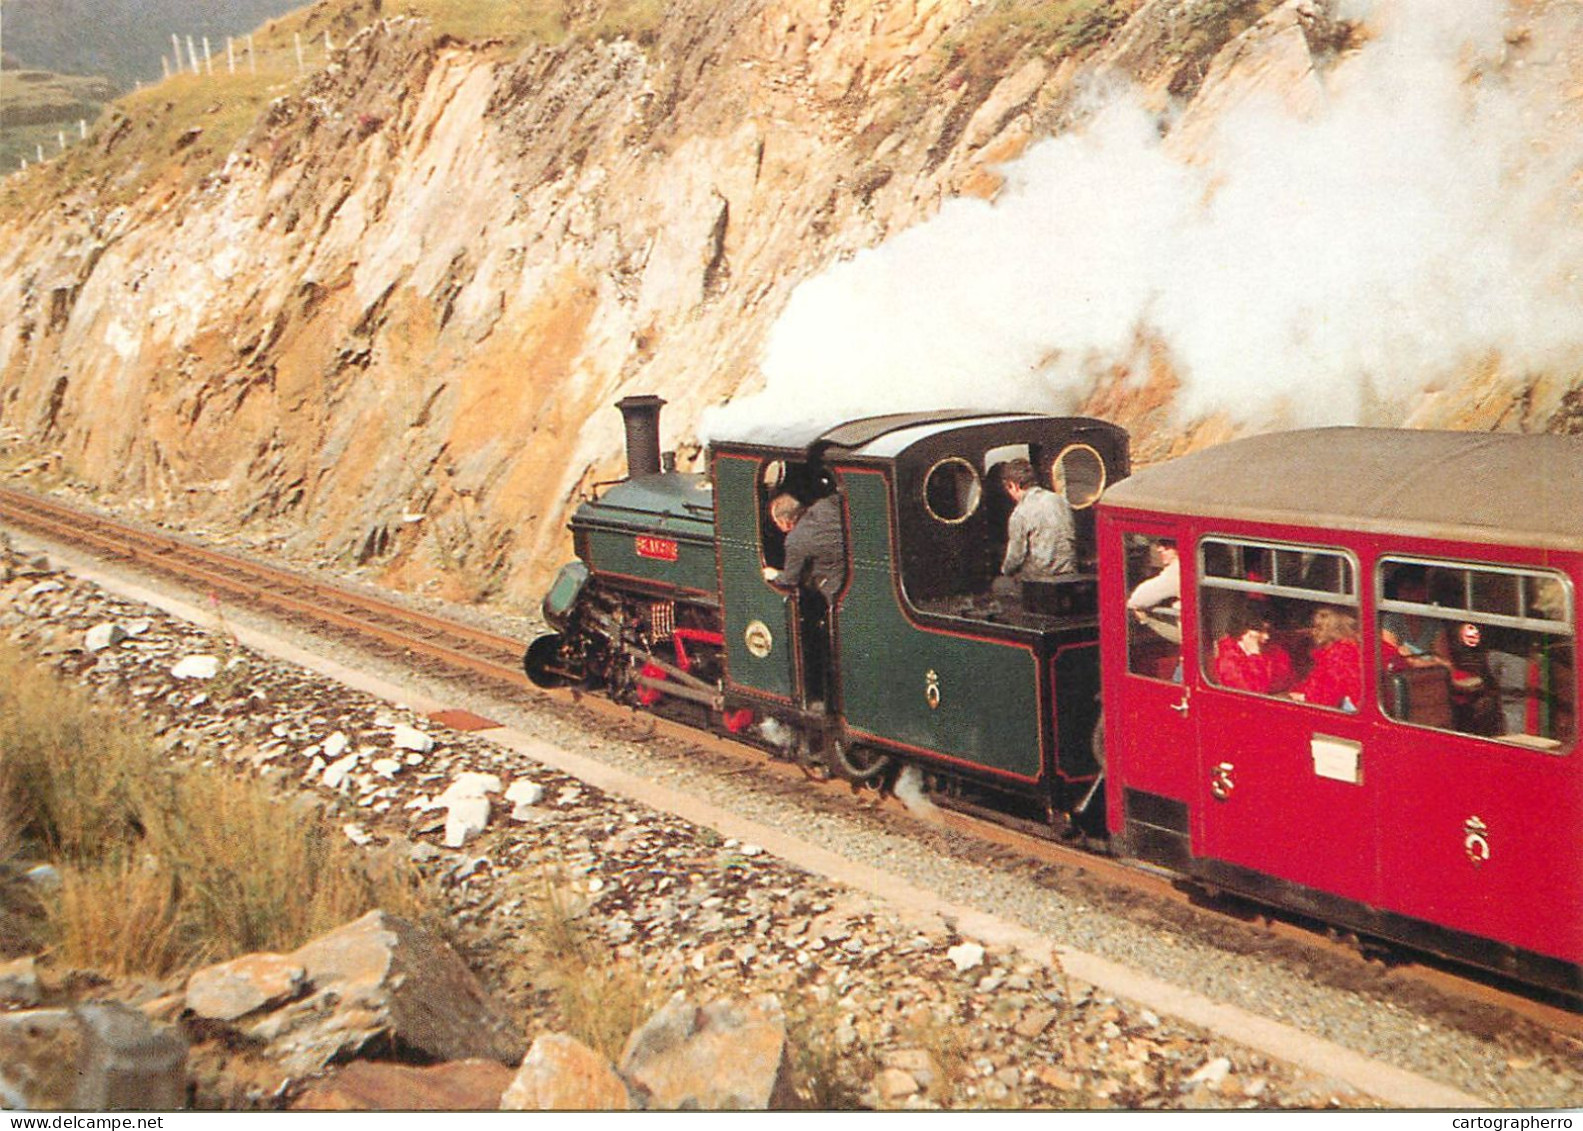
641, 415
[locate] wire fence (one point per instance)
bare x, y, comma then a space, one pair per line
194, 55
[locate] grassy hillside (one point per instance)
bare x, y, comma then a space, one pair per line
192, 121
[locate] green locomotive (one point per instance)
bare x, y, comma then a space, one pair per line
916, 657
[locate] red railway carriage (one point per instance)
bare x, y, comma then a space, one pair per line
1357, 697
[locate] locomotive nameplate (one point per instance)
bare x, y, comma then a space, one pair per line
659, 549
1338, 759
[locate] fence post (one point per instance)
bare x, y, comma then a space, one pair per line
208, 60
252, 60
192, 53
175, 44
230, 54
297, 35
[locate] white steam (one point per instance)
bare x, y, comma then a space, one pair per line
1303, 266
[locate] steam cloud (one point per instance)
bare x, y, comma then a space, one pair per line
1322, 268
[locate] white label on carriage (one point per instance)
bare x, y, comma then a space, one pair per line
1339, 759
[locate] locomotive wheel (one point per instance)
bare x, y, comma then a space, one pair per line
857, 764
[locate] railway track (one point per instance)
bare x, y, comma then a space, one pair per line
421, 638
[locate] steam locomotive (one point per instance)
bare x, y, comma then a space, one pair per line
1438, 803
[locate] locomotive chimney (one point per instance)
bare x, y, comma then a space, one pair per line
641, 415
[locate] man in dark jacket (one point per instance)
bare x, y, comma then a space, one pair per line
815, 545
816, 563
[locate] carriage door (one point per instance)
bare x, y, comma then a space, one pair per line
1147, 693
1285, 769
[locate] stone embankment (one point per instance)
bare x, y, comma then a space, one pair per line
786, 988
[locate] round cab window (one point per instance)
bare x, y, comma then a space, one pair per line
1083, 471
951, 491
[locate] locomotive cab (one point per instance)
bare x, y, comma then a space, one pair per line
920, 659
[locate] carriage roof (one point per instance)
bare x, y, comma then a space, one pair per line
1510, 488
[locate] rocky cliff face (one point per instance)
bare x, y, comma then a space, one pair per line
389, 330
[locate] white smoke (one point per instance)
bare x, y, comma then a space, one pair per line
1304, 266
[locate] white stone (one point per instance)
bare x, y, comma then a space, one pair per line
410, 738
386, 767
525, 792
338, 771
44, 587
336, 745
138, 627
966, 956
197, 667
470, 783
357, 834
465, 819
1212, 1073
524, 795
102, 636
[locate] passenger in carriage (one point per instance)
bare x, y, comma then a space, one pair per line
1245, 658
1041, 535
1156, 601
1336, 678
1412, 641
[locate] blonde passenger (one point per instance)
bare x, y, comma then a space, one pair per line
1336, 679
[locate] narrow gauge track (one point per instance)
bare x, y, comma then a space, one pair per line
458, 647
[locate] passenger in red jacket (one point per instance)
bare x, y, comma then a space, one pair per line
1336, 679
1245, 659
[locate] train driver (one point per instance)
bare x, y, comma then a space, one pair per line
815, 545
816, 563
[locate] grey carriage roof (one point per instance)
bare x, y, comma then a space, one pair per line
1503, 487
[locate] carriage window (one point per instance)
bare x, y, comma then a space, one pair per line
1154, 607
1477, 649
1281, 621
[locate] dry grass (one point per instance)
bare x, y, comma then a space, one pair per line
600, 1000
1002, 30
162, 866
824, 1077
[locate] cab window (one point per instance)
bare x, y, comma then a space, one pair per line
1280, 620
1478, 649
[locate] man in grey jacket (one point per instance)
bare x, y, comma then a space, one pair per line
1041, 536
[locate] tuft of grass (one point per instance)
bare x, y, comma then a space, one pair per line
823, 1076
637, 20
1001, 31
600, 1000
165, 867
117, 917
